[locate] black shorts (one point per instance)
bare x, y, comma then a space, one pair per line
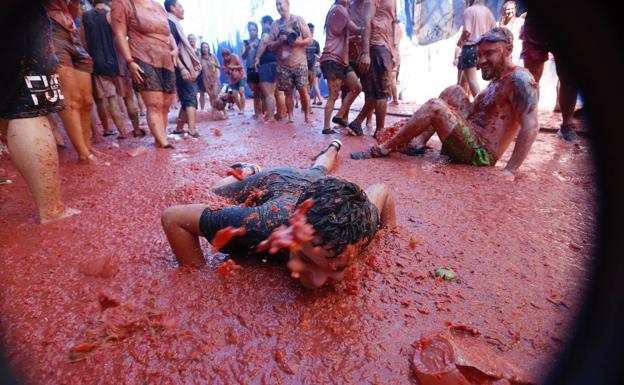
155, 79
333, 70
253, 76
33, 88
468, 57
187, 91
268, 72
376, 83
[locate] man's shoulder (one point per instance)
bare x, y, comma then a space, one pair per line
522, 77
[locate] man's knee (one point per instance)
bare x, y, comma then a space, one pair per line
434, 104
169, 216
452, 93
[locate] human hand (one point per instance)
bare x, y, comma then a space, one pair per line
174, 53
135, 72
364, 62
186, 75
456, 61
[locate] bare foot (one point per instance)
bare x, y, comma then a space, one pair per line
58, 216
101, 154
91, 160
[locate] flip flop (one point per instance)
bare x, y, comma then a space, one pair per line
355, 129
109, 133
334, 143
176, 132
329, 131
169, 147
373, 152
340, 121
194, 134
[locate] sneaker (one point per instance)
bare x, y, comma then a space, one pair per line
568, 133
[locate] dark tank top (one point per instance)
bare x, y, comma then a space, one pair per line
99, 36
268, 56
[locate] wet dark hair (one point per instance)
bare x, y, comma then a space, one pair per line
310, 25
266, 19
169, 4
252, 24
340, 215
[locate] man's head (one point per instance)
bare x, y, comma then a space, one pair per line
192, 39
311, 26
266, 21
341, 217
220, 104
252, 28
283, 7
175, 7
346, 3
494, 52
509, 9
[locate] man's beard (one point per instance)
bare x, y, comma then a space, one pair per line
488, 74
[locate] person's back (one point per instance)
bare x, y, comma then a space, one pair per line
478, 19
382, 26
100, 42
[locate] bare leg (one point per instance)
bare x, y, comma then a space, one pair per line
112, 106
202, 100
536, 68
103, 116
133, 113
280, 103
367, 109
76, 87
393, 88
290, 104
471, 76
181, 225
157, 111
182, 119
328, 159
268, 90
140, 103
32, 148
305, 103
334, 88
354, 86
58, 138
435, 113
257, 99
241, 100
380, 113
191, 114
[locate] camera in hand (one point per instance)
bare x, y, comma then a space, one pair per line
292, 34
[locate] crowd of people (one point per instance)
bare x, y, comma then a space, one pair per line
130, 56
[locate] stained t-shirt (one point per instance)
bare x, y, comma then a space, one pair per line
382, 25
147, 29
478, 19
336, 35
59, 11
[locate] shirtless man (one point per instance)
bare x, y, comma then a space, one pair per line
331, 245
290, 35
478, 133
233, 67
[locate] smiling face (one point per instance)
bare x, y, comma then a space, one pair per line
509, 10
283, 7
492, 58
205, 49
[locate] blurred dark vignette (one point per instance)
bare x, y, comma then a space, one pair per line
591, 40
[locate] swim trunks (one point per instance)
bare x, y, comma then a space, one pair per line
292, 78
239, 84
268, 72
187, 91
468, 57
463, 146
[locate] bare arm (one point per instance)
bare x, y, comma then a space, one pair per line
354, 28
369, 12
261, 48
306, 36
379, 194
529, 128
